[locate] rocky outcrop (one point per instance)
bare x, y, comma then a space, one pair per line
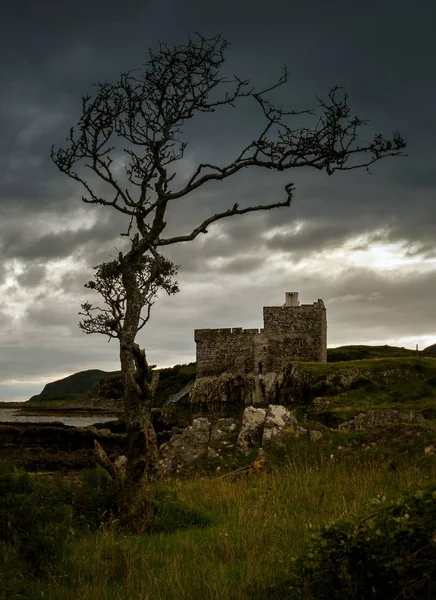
236, 390
382, 418
202, 439
308, 383
207, 439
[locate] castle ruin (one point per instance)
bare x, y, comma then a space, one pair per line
290, 333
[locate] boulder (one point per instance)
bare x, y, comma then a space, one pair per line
278, 420
263, 427
185, 447
203, 438
251, 432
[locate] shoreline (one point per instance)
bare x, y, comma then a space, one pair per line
61, 411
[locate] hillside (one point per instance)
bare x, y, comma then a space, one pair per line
342, 390
76, 384
431, 349
361, 352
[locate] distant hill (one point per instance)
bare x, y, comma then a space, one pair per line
78, 383
431, 349
362, 352
95, 387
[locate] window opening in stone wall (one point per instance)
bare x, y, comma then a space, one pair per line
260, 366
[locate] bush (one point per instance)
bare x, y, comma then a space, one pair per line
389, 554
37, 518
33, 522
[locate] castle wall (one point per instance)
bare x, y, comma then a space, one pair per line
292, 332
225, 350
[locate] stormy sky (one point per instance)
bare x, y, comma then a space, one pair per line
362, 242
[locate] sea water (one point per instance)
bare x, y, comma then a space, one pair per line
12, 415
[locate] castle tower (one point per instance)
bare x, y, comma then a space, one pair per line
295, 332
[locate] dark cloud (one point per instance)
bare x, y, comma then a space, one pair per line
383, 53
32, 276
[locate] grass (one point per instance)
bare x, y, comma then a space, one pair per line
258, 525
236, 538
357, 352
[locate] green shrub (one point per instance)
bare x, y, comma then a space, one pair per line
38, 516
32, 519
389, 554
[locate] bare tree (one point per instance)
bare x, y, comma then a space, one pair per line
146, 111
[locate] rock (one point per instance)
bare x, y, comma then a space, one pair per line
222, 429
201, 439
121, 462
315, 435
223, 435
186, 447
253, 421
228, 388
379, 418
211, 453
279, 419
323, 403
91, 428
429, 450
104, 432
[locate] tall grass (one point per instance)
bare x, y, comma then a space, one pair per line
259, 524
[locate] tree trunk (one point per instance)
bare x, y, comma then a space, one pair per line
138, 399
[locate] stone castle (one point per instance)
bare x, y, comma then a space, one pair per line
291, 332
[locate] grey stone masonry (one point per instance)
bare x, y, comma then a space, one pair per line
291, 333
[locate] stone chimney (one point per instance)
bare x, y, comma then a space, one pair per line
291, 299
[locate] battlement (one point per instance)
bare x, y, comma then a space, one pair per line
209, 334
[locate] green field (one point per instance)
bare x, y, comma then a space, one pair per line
237, 539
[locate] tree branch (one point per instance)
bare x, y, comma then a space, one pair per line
235, 210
